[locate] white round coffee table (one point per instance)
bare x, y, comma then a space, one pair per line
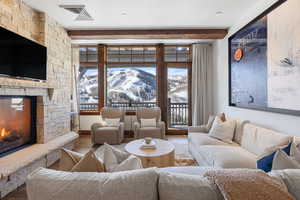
162, 156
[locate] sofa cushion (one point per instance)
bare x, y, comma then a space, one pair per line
238, 132
199, 139
133, 185
174, 186
259, 140
227, 156
189, 170
59, 185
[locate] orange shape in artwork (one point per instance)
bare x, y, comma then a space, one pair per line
238, 54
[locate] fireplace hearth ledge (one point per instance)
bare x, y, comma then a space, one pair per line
15, 167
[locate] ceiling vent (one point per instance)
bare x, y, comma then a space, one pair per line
79, 10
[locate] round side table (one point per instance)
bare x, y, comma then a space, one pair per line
162, 156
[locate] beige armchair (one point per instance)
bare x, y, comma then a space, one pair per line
105, 134
154, 132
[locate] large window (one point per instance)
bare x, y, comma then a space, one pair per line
131, 86
131, 76
178, 98
137, 76
88, 83
88, 88
177, 59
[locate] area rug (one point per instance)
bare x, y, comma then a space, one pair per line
182, 156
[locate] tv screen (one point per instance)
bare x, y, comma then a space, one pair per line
21, 57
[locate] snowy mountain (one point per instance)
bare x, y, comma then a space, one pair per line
131, 84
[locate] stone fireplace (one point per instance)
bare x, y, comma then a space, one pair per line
17, 123
52, 99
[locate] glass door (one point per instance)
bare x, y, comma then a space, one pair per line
178, 97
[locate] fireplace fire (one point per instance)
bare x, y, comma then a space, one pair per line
4, 133
17, 123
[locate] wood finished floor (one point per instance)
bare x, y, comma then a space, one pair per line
83, 146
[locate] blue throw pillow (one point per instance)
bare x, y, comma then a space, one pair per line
266, 162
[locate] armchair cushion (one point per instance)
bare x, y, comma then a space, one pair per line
148, 122
112, 122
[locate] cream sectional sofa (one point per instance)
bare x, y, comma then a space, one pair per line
175, 183
250, 142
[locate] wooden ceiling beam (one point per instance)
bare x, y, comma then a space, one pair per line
148, 34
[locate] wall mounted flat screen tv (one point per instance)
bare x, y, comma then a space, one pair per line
21, 57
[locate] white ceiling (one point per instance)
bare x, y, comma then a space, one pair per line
147, 14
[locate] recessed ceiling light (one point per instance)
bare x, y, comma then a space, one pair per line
219, 13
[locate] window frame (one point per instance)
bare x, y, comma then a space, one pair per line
180, 64
161, 75
107, 62
100, 66
189, 54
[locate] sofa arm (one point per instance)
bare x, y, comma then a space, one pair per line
162, 127
198, 129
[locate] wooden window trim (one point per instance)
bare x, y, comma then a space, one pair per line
161, 76
100, 65
189, 54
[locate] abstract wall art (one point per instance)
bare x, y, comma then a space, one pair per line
264, 61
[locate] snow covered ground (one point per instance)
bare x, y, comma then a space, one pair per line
137, 84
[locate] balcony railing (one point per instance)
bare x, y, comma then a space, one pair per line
88, 106
177, 112
131, 105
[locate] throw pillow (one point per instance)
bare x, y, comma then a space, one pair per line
283, 161
116, 160
266, 161
210, 122
68, 159
222, 117
89, 163
114, 122
295, 152
223, 130
148, 123
131, 163
242, 184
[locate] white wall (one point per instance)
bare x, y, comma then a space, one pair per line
284, 123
